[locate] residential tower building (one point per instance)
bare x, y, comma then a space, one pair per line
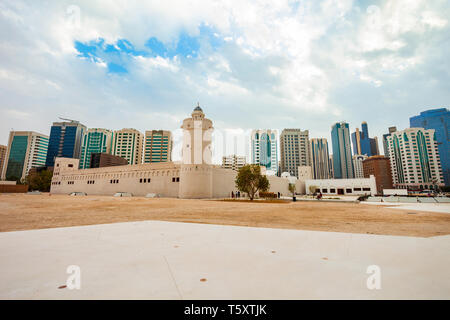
380, 167
157, 146
385, 142
320, 159
26, 150
294, 150
439, 120
264, 144
65, 141
95, 140
233, 162
414, 158
127, 143
342, 153
358, 165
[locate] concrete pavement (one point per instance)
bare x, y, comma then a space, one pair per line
167, 260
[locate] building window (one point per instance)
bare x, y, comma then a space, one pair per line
366, 189
348, 190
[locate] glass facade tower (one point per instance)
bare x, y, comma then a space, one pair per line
439, 120
158, 146
342, 152
65, 141
95, 140
265, 149
26, 150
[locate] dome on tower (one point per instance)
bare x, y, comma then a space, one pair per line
197, 108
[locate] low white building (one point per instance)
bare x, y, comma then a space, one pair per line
348, 187
233, 162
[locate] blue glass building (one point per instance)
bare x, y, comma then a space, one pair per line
265, 149
342, 152
437, 119
362, 143
65, 141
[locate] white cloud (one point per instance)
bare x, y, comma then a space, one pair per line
276, 59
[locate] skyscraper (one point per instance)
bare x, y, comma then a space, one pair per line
342, 153
157, 146
294, 150
358, 165
95, 140
414, 159
439, 120
385, 142
374, 150
361, 140
330, 165
320, 159
265, 148
127, 143
26, 150
65, 141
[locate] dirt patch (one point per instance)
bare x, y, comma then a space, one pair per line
24, 212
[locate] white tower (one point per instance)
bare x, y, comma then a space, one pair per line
197, 135
196, 169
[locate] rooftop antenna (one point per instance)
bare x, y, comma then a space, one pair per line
75, 121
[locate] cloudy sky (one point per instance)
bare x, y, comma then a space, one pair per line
250, 64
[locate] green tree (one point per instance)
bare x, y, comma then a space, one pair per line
40, 180
292, 188
312, 189
250, 180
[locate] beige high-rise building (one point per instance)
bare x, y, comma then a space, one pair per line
415, 160
3, 150
26, 150
157, 146
294, 150
128, 144
233, 162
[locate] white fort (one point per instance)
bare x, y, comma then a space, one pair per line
195, 177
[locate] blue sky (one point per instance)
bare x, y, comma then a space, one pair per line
250, 64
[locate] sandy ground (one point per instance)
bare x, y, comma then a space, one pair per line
25, 212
